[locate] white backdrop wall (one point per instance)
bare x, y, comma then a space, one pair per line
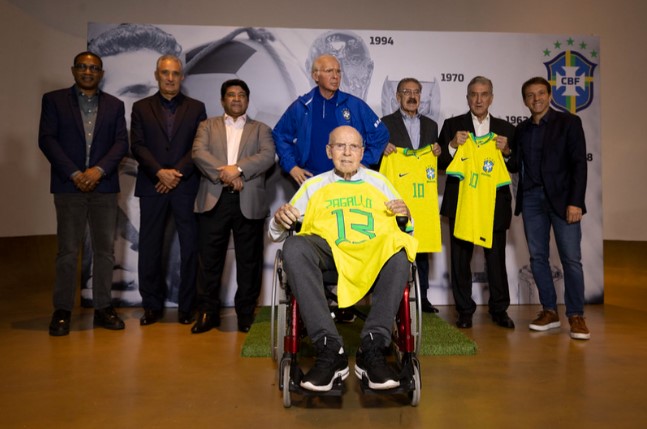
39, 39
275, 63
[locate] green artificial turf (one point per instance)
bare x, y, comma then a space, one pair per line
439, 338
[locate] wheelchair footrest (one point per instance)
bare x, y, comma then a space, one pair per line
405, 387
337, 389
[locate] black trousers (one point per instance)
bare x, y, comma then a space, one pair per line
461, 273
214, 229
152, 236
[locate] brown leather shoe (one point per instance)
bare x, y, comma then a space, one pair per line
579, 331
546, 319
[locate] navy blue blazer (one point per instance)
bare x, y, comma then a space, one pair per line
61, 137
563, 161
155, 149
503, 204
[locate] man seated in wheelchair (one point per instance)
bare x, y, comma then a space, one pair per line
349, 225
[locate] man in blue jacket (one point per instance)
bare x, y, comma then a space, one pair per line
83, 135
302, 132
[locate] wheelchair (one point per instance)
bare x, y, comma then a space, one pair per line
287, 332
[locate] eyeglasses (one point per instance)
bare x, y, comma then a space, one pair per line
410, 92
341, 147
84, 67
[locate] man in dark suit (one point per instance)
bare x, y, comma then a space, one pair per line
233, 152
409, 129
551, 150
83, 135
162, 130
455, 132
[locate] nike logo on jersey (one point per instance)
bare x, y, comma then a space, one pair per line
402, 174
465, 159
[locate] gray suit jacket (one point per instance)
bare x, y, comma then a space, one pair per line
255, 157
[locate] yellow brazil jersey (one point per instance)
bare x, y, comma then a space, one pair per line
352, 218
481, 168
414, 175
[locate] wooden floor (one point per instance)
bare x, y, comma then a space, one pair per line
161, 376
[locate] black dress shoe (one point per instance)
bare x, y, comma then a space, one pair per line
184, 317
503, 320
205, 322
245, 322
60, 324
107, 318
150, 317
464, 321
427, 307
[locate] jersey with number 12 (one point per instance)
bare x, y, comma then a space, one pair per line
352, 217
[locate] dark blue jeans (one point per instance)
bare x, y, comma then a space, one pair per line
538, 217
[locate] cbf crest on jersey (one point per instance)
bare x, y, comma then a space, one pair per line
430, 173
488, 165
570, 74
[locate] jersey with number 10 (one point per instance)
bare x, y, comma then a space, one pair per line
352, 217
481, 169
414, 173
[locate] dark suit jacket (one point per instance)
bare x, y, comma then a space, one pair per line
255, 157
154, 149
399, 135
61, 137
503, 206
563, 161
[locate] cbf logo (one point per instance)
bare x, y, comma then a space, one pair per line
431, 174
488, 165
570, 74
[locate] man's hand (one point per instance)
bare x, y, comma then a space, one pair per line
228, 173
238, 184
162, 188
502, 145
286, 216
573, 214
398, 207
81, 182
169, 178
88, 180
459, 139
389, 149
435, 149
299, 174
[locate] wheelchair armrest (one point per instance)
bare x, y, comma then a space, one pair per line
402, 222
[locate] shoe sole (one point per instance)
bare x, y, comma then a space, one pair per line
388, 384
541, 328
580, 336
343, 373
